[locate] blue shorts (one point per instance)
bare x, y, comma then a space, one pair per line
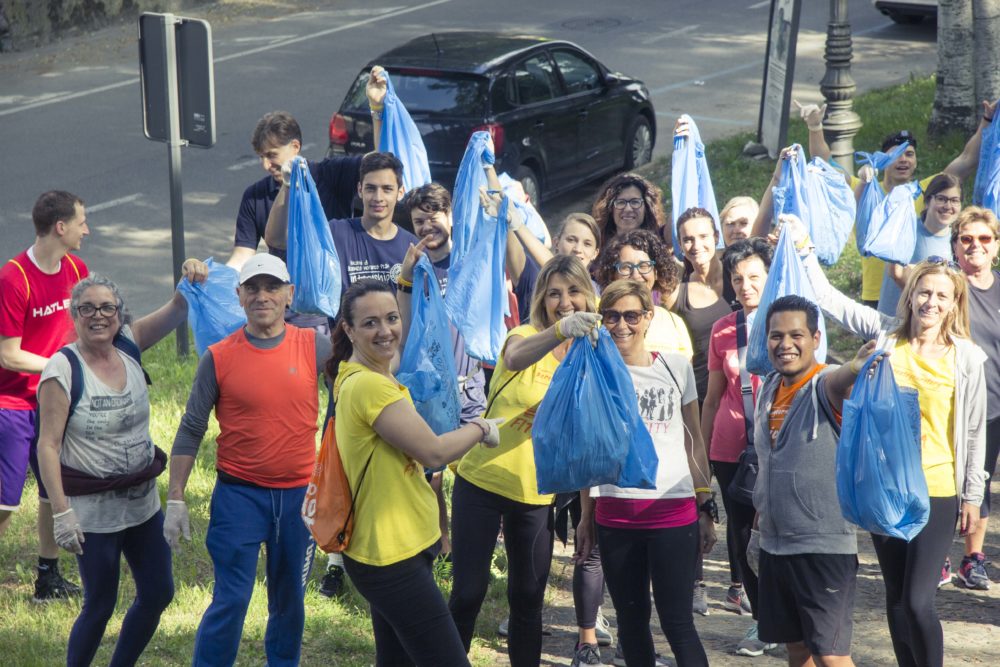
18, 440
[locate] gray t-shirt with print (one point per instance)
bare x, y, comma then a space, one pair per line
108, 435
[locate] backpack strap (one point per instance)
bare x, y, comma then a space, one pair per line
75, 379
129, 347
27, 285
746, 384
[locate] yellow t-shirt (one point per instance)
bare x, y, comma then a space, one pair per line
395, 510
873, 268
509, 469
667, 333
934, 380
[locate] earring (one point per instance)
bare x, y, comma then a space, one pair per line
996, 261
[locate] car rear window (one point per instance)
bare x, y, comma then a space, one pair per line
424, 91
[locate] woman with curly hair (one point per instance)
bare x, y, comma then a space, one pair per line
629, 201
641, 256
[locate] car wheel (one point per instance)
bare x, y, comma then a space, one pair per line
529, 181
639, 147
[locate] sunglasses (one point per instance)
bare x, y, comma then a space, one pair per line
613, 317
626, 268
937, 260
984, 239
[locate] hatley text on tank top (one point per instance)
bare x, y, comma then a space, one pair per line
51, 309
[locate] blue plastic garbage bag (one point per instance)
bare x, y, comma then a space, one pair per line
427, 366
476, 298
820, 196
401, 137
786, 276
892, 229
532, 220
873, 194
690, 182
312, 260
214, 309
582, 432
465, 197
880, 479
987, 188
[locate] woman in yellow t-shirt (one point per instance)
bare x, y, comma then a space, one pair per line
384, 444
641, 256
931, 352
501, 483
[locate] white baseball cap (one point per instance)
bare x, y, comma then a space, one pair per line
265, 264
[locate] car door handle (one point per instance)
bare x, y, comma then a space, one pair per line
583, 113
539, 124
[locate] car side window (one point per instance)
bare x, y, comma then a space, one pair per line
578, 74
535, 81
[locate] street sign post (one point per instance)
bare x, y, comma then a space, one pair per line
779, 74
178, 106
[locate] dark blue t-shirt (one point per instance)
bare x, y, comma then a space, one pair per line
336, 182
362, 256
525, 287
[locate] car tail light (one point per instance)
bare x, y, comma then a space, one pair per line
338, 130
496, 131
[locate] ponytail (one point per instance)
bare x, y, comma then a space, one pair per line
342, 346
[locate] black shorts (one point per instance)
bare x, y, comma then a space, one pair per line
808, 598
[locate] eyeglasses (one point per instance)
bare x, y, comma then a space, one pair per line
626, 268
945, 262
954, 201
631, 203
613, 317
89, 309
984, 239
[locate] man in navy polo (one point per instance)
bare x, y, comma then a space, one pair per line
276, 139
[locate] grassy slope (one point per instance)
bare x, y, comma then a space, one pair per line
339, 632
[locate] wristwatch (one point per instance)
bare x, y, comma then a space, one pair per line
710, 508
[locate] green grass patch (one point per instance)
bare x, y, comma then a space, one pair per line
338, 632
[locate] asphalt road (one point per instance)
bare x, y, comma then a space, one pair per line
70, 114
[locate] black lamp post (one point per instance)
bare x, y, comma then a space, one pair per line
841, 122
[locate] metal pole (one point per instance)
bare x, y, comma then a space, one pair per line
174, 160
841, 122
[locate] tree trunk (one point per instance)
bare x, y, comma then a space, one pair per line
954, 97
986, 33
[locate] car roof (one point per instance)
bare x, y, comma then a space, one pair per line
468, 51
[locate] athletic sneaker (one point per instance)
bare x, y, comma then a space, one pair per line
972, 572
333, 582
603, 630
51, 585
737, 600
619, 659
945, 573
699, 604
751, 645
586, 654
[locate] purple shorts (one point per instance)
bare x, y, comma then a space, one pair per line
17, 449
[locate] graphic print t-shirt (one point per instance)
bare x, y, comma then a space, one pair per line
363, 256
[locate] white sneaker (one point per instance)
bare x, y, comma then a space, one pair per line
751, 645
699, 604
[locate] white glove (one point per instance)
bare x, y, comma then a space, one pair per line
176, 523
753, 551
578, 325
866, 173
491, 427
794, 226
67, 532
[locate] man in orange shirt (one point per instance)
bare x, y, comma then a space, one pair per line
262, 383
804, 551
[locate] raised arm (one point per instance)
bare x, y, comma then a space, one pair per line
839, 382
375, 90
151, 329
967, 161
404, 298
762, 225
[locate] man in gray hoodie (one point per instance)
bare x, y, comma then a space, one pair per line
807, 552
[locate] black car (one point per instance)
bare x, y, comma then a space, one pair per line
557, 115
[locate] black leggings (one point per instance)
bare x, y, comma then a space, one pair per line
148, 557
528, 539
739, 521
666, 557
588, 582
992, 451
410, 619
911, 571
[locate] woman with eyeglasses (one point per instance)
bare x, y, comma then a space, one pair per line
943, 198
640, 256
99, 464
724, 424
653, 536
628, 202
932, 352
974, 241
